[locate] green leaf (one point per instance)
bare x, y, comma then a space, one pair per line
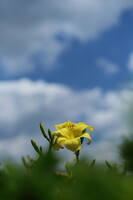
109, 165
68, 168
49, 133
44, 132
25, 162
92, 163
35, 147
41, 149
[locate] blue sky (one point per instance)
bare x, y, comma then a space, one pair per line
80, 59
65, 62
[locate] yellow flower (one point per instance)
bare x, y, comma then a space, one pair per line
69, 135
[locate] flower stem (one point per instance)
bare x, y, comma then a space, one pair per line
77, 152
50, 147
77, 156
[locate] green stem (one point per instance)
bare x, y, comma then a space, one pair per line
77, 156
49, 149
77, 152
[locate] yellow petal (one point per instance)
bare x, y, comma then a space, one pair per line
74, 144
91, 128
85, 126
58, 147
64, 132
60, 133
57, 133
61, 140
86, 135
78, 129
64, 125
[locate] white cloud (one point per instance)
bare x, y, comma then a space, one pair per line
29, 28
130, 62
25, 103
16, 147
107, 66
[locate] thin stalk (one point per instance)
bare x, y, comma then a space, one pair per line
50, 147
77, 152
77, 156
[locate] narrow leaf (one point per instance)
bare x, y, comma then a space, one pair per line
108, 165
49, 133
92, 163
43, 131
25, 162
35, 147
41, 149
68, 168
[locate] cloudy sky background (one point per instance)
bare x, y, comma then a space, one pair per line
65, 61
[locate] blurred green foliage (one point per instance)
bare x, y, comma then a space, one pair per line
126, 151
39, 178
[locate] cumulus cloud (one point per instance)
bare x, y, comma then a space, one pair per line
30, 28
25, 103
107, 66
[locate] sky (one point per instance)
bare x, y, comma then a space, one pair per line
61, 62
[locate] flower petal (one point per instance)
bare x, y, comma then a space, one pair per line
61, 140
73, 144
64, 125
58, 142
64, 132
85, 126
58, 147
79, 128
86, 135
91, 128
57, 133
